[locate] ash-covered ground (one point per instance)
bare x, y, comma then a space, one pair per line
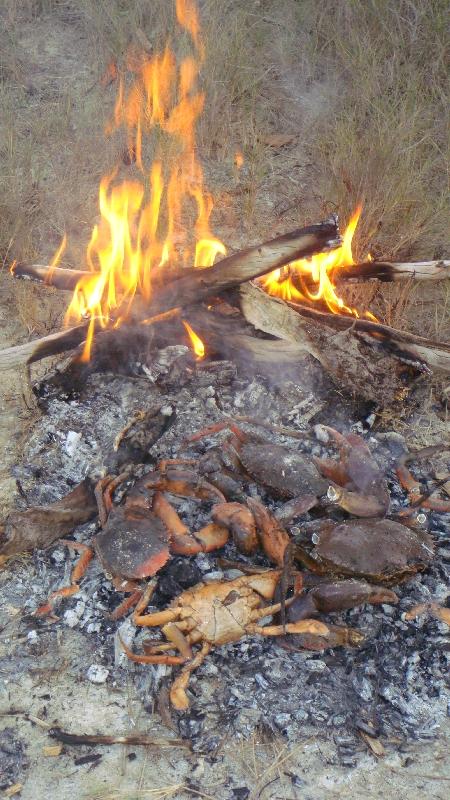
395, 685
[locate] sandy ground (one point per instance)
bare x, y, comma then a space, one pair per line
49, 685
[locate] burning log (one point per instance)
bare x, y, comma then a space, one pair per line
349, 356
408, 347
195, 285
364, 272
270, 315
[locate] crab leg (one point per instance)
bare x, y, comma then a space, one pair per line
173, 633
78, 571
99, 491
184, 483
126, 604
152, 659
226, 424
303, 626
274, 538
178, 695
269, 611
437, 611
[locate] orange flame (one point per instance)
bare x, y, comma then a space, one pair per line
295, 281
143, 221
197, 344
56, 259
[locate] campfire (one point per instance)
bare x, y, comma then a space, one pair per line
147, 258
203, 519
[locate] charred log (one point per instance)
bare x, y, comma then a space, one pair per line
354, 365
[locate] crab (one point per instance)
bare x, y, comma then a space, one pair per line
356, 483
217, 613
380, 550
140, 536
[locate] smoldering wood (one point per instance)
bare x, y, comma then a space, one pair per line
195, 285
354, 366
363, 272
39, 526
408, 347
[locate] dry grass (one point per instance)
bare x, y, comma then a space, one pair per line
364, 85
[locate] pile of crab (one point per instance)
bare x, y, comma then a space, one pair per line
346, 563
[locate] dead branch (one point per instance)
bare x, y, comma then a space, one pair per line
406, 346
39, 526
391, 271
133, 739
365, 271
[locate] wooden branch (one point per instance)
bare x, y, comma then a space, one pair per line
355, 366
365, 271
38, 349
194, 285
57, 277
391, 271
406, 346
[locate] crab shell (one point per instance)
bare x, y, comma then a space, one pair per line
381, 550
220, 612
285, 472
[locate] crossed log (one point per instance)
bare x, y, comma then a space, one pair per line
177, 290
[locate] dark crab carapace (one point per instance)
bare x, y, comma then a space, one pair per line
380, 550
359, 485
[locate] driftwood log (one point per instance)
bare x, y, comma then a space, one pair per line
413, 349
353, 366
194, 285
366, 271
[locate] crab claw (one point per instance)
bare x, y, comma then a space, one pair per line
338, 596
182, 541
240, 522
274, 538
360, 505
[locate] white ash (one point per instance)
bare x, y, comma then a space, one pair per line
97, 674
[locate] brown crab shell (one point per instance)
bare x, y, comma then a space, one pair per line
133, 544
285, 472
377, 549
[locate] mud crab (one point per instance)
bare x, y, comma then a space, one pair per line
383, 551
217, 613
141, 535
355, 483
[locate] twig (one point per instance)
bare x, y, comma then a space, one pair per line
133, 739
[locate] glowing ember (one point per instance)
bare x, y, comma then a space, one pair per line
197, 344
296, 281
143, 221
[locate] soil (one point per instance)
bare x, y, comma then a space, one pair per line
44, 673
